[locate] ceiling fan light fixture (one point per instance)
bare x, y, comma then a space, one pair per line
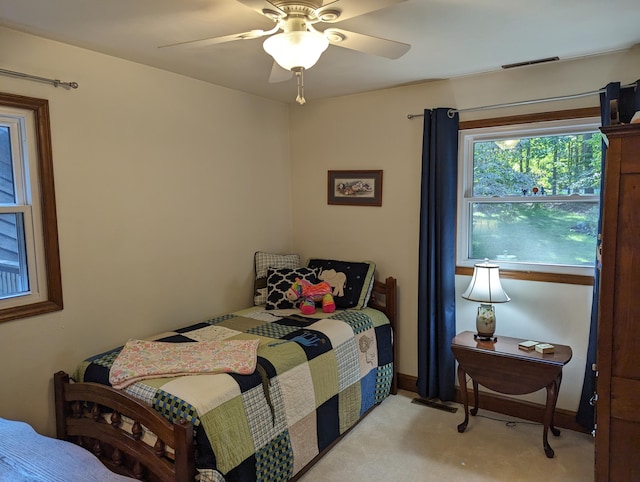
296, 49
507, 143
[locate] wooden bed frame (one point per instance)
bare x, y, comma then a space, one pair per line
79, 419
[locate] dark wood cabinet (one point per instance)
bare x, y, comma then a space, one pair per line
617, 442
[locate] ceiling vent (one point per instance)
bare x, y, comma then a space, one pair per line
530, 62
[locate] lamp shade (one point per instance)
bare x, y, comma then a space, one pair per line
485, 285
300, 49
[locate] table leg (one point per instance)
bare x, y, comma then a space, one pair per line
552, 397
474, 410
462, 380
554, 430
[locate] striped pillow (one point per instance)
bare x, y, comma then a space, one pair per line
262, 262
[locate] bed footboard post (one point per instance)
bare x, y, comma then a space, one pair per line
185, 462
60, 381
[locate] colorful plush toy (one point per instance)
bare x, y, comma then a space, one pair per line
309, 294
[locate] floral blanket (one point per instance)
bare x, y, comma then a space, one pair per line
141, 359
315, 377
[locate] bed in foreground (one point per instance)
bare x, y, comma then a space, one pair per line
315, 378
25, 455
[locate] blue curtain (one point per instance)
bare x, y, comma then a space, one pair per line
627, 103
436, 270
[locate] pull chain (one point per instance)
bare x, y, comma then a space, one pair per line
300, 78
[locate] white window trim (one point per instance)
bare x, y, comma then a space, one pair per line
466, 139
22, 127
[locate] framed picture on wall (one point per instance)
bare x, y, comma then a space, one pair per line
355, 188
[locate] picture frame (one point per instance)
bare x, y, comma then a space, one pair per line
355, 188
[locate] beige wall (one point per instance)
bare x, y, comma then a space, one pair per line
161, 203
371, 131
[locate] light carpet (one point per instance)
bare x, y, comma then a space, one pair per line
404, 441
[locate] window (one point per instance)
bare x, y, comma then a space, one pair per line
30, 281
529, 195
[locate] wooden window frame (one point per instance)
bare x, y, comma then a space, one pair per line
526, 119
52, 296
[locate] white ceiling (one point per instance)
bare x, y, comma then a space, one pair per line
449, 38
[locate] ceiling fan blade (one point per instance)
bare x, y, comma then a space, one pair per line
366, 43
218, 40
278, 74
261, 6
353, 8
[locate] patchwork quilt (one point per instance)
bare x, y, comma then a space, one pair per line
314, 378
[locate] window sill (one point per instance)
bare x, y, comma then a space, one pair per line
570, 279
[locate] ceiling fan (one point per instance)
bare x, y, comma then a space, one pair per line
300, 44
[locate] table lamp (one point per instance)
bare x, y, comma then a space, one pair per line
485, 287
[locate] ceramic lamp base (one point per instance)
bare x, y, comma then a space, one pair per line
486, 322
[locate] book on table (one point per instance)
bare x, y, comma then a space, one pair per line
527, 345
544, 348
